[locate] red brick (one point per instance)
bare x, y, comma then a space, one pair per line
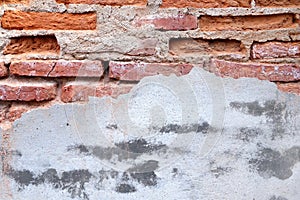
289, 87
206, 3
21, 90
81, 90
14, 2
263, 71
247, 23
275, 50
60, 68
180, 22
33, 44
185, 46
277, 3
106, 2
3, 70
14, 19
132, 71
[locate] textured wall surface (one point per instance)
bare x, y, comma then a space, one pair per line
149, 99
190, 137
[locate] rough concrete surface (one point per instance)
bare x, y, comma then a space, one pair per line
192, 137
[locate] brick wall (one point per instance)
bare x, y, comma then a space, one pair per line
66, 50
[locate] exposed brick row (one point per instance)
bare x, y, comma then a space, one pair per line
20, 20
81, 90
263, 71
247, 23
206, 3
133, 71
277, 3
177, 3
57, 68
275, 50
106, 2
290, 87
23, 90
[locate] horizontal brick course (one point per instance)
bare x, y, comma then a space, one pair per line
20, 90
106, 2
14, 2
206, 3
289, 87
263, 71
48, 21
180, 22
81, 90
275, 50
60, 68
247, 23
278, 3
132, 71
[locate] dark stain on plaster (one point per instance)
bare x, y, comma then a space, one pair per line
271, 163
277, 198
204, 127
219, 171
71, 181
144, 173
124, 150
112, 126
125, 188
274, 111
247, 134
139, 146
186, 128
74, 182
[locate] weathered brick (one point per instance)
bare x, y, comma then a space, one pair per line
185, 46
14, 2
180, 22
81, 90
106, 2
206, 3
289, 87
263, 71
32, 44
277, 3
14, 19
23, 90
275, 50
3, 70
248, 23
133, 71
61, 68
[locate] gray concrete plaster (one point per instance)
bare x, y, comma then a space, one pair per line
192, 137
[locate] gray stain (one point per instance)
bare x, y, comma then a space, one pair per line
247, 134
274, 111
72, 181
186, 128
124, 150
277, 198
271, 163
